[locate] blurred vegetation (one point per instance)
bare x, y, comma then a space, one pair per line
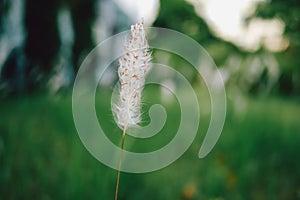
289, 13
42, 157
187, 21
30, 65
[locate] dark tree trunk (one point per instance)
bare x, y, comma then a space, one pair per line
42, 41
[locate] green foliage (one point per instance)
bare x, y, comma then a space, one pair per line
181, 16
287, 11
42, 157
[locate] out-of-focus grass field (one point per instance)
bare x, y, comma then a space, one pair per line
42, 157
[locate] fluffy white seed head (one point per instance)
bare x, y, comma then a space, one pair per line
133, 67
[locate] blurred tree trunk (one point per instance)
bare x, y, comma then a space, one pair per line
83, 15
42, 41
3, 10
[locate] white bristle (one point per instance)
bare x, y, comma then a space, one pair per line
133, 67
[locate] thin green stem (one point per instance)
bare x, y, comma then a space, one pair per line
120, 162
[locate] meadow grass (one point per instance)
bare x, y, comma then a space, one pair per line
42, 157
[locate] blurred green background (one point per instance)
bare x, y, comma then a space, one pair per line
255, 44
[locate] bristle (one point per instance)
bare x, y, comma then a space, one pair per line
133, 67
